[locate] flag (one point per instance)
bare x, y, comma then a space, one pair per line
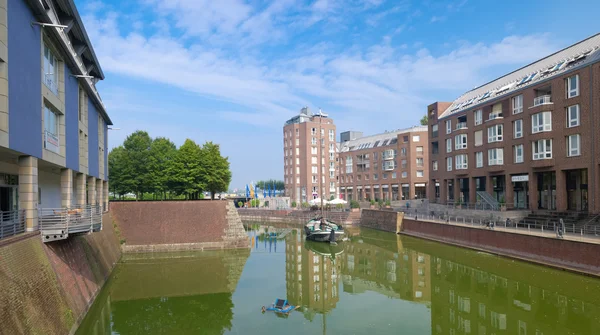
256, 192
247, 191
269, 186
251, 191
265, 192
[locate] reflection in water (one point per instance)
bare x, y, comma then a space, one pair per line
375, 283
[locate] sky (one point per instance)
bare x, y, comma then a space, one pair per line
233, 71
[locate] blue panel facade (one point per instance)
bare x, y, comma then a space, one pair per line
72, 120
93, 140
105, 151
25, 80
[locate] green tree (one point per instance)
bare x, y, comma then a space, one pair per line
161, 165
424, 120
120, 171
137, 147
217, 175
188, 170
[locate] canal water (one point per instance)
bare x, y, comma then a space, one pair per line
375, 283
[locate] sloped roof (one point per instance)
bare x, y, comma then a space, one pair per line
378, 140
575, 56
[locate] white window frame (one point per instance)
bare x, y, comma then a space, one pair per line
460, 141
571, 150
51, 130
545, 153
495, 133
449, 163
519, 158
435, 165
545, 125
573, 91
420, 174
496, 156
331, 135
448, 145
573, 111
461, 162
421, 160
479, 159
478, 117
314, 151
404, 174
50, 68
517, 104
448, 126
518, 131
416, 138
314, 169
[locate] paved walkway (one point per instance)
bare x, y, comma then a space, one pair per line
520, 230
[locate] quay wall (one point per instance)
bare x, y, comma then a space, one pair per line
296, 216
48, 288
576, 256
385, 220
157, 226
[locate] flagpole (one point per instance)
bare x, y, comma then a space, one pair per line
321, 159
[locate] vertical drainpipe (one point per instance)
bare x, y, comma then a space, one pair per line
593, 137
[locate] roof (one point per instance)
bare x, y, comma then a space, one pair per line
575, 56
378, 140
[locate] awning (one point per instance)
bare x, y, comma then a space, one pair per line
350, 187
368, 186
375, 186
405, 185
385, 186
394, 185
420, 185
343, 188
359, 187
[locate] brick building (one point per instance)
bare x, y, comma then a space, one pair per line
527, 139
388, 166
301, 137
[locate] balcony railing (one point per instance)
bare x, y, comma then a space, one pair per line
58, 223
494, 116
12, 223
461, 125
542, 100
389, 167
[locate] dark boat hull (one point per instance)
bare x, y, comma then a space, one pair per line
323, 236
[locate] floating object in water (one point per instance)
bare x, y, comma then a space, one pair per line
280, 306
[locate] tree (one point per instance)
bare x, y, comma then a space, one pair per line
120, 171
217, 175
188, 170
137, 147
161, 165
265, 184
424, 120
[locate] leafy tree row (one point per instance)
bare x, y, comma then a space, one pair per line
265, 184
145, 165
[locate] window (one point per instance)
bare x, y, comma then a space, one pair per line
419, 150
313, 150
314, 179
403, 152
573, 116
331, 156
331, 135
420, 174
448, 145
394, 175
434, 130
573, 145
460, 141
479, 138
517, 104
496, 111
298, 160
518, 128
348, 164
461, 162
405, 139
448, 126
542, 149
449, 164
416, 138
297, 180
297, 141
313, 141
419, 162
434, 165
314, 160
518, 149
404, 174
50, 70
573, 86
51, 124
297, 132
478, 117
496, 156
541, 122
297, 170
403, 163
495, 133
384, 175
479, 159
315, 170
313, 131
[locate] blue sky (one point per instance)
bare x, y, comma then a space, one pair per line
232, 71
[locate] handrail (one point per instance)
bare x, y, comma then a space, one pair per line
486, 197
12, 223
69, 220
542, 100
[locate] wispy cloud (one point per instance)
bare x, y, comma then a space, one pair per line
435, 19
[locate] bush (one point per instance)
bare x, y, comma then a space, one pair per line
314, 208
240, 204
305, 205
331, 198
339, 206
372, 202
380, 203
354, 204
294, 204
388, 203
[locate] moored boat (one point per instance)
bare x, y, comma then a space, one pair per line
323, 230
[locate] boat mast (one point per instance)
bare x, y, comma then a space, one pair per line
321, 159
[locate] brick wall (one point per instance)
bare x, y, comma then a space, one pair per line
47, 288
385, 220
573, 255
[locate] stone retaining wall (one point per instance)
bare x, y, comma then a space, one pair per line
385, 220
179, 225
48, 288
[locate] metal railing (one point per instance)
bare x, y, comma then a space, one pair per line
542, 100
487, 198
58, 223
461, 125
12, 223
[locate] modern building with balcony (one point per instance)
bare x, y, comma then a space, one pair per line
301, 137
526, 140
389, 166
53, 124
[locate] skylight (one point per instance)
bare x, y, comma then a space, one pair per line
486, 95
528, 78
385, 142
504, 88
394, 140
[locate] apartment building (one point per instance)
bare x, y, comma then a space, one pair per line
389, 166
302, 169
53, 124
527, 139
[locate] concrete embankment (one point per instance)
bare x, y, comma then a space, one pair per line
565, 254
150, 226
48, 288
296, 216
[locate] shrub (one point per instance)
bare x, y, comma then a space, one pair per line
305, 205
331, 198
372, 202
240, 204
294, 204
354, 204
339, 206
388, 203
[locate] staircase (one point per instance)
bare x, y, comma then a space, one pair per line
234, 234
488, 199
572, 220
353, 218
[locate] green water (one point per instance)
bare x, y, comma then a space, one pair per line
376, 283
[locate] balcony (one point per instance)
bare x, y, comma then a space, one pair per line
542, 100
388, 156
389, 167
461, 125
494, 116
